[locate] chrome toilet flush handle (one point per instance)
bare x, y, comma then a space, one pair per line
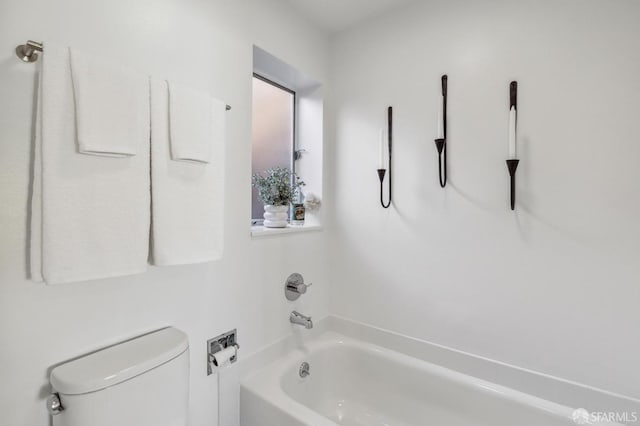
295, 286
54, 406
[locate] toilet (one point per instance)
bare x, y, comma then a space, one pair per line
140, 382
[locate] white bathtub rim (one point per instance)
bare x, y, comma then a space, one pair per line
267, 383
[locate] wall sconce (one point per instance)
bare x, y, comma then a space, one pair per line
512, 162
381, 168
441, 138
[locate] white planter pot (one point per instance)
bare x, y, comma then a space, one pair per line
275, 216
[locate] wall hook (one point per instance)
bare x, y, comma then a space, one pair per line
441, 140
382, 172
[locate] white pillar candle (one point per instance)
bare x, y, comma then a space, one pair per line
512, 133
381, 163
440, 134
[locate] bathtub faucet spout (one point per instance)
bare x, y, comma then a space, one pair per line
297, 318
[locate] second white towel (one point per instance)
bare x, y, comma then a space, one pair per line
191, 124
187, 197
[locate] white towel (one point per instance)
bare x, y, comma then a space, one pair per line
90, 214
35, 246
188, 198
193, 118
111, 106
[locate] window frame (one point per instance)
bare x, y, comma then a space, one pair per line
260, 221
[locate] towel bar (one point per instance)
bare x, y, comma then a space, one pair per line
29, 53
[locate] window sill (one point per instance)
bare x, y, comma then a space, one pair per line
262, 232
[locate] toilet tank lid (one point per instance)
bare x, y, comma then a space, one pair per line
118, 363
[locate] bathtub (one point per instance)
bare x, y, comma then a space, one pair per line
352, 382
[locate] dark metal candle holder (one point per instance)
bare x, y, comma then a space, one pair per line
512, 164
382, 172
441, 144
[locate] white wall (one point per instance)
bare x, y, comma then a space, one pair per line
553, 287
206, 44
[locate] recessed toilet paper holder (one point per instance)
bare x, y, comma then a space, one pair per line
220, 343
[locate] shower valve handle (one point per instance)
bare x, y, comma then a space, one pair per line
294, 287
300, 288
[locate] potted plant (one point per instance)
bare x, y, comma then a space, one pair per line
276, 190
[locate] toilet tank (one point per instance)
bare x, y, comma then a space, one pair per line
143, 381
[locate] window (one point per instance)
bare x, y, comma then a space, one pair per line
288, 110
273, 134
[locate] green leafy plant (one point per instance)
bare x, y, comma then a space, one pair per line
277, 187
